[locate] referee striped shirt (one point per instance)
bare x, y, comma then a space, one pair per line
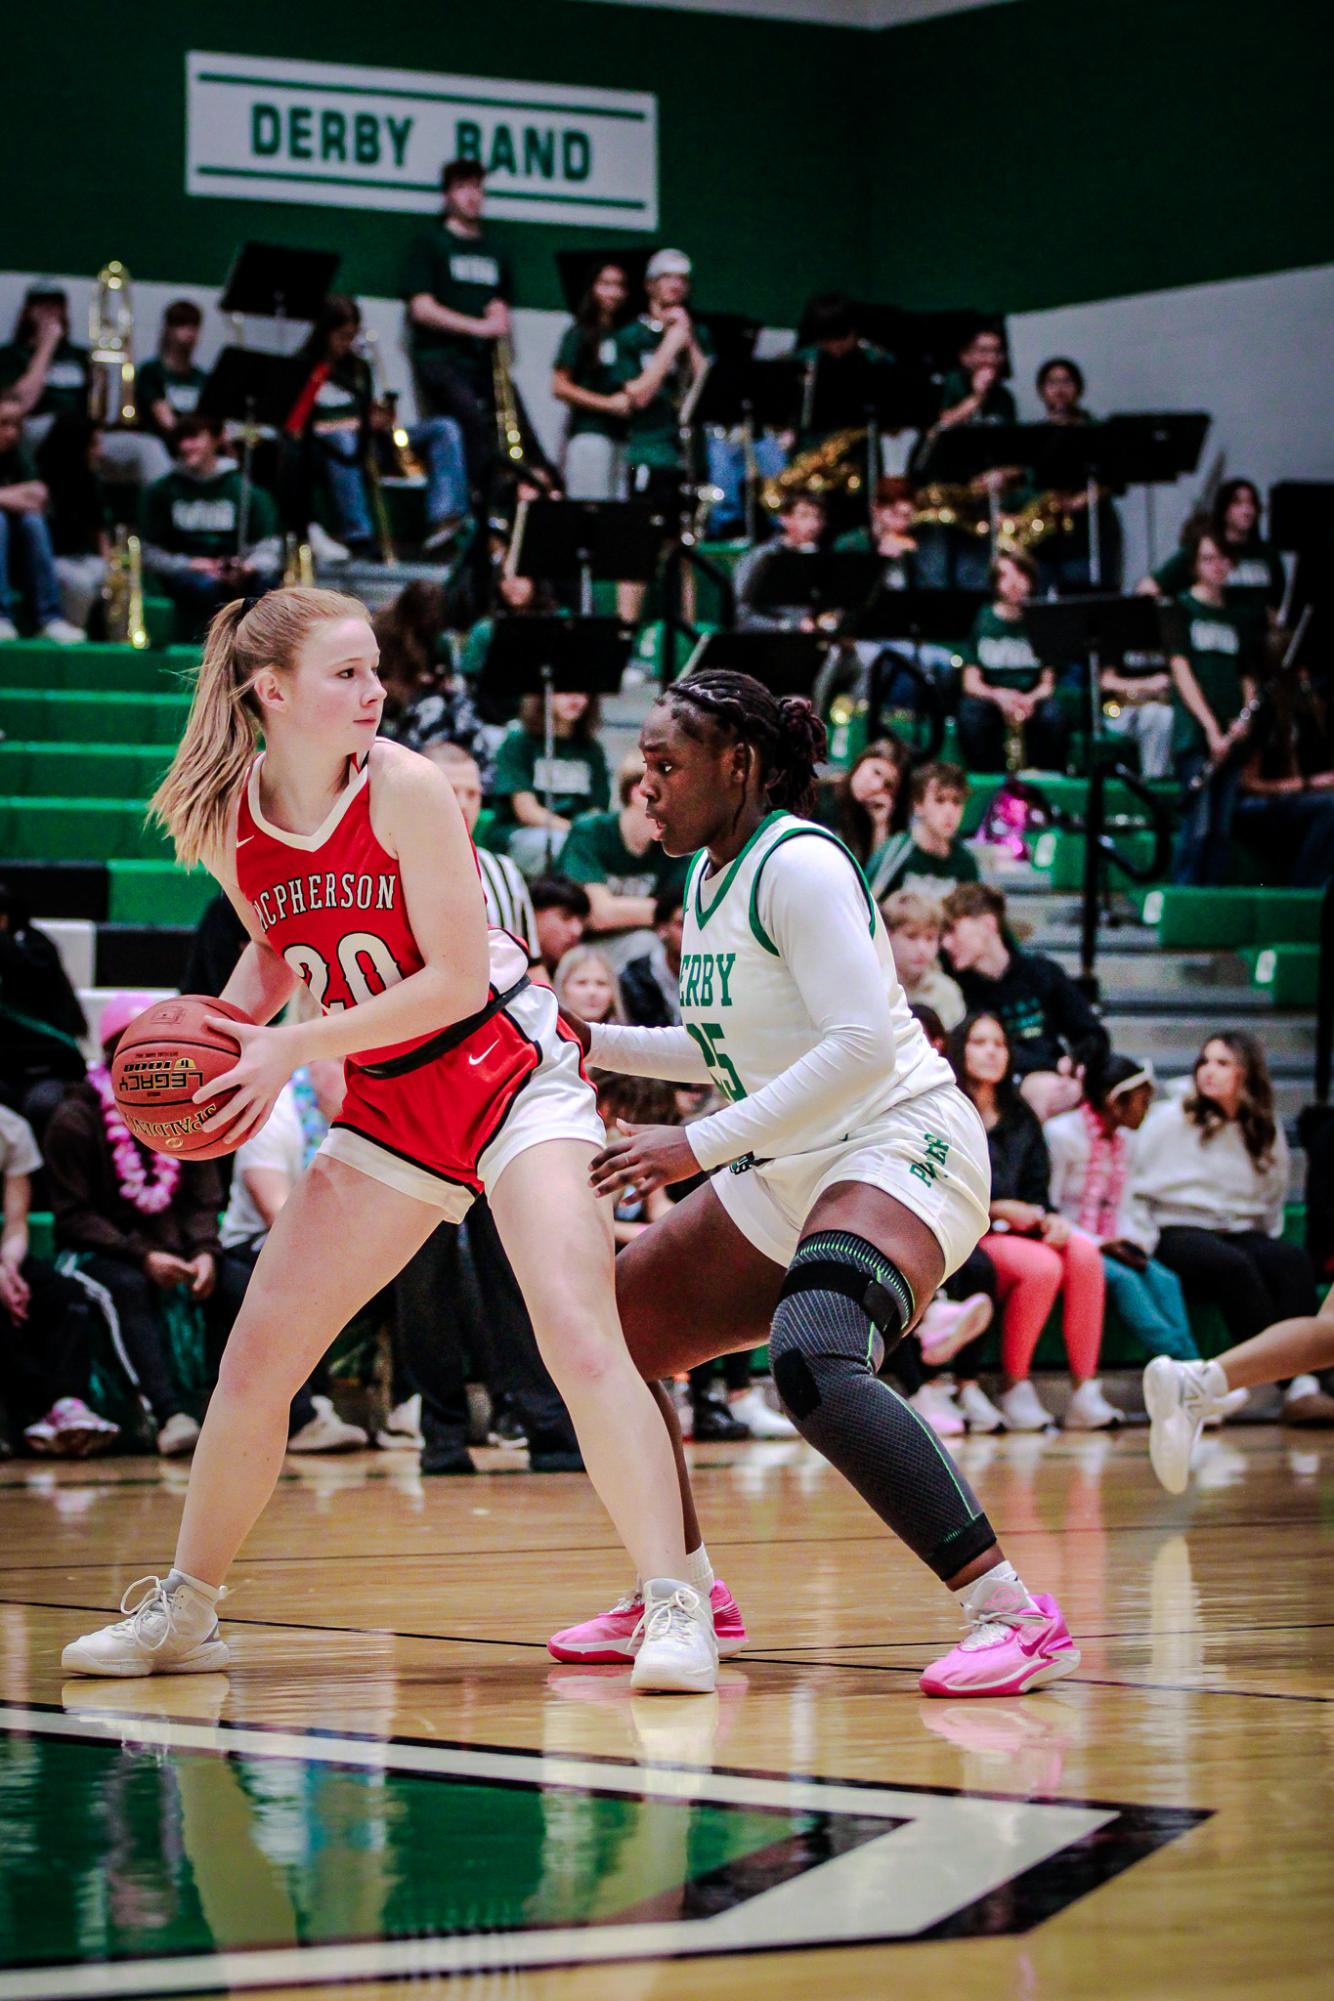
508, 903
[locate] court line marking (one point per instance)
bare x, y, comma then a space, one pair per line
763, 1659
948, 1853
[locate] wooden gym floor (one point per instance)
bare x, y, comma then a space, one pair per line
394, 1781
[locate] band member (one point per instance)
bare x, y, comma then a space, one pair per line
328, 426
1256, 580
975, 392
1215, 673
1009, 697
1065, 557
584, 378
167, 386
801, 526
659, 358
458, 284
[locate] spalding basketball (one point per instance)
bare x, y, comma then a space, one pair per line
165, 1056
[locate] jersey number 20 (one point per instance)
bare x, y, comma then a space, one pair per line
353, 952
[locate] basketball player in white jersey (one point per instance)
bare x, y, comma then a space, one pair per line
850, 1175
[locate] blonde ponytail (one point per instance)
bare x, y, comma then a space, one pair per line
222, 732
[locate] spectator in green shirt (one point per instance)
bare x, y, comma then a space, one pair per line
584, 379
190, 526
1009, 709
1215, 673
457, 284
167, 387
25, 538
1065, 556
617, 857
538, 797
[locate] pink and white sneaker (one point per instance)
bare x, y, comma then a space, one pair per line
607, 1640
1009, 1650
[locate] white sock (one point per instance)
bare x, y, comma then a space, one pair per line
699, 1571
210, 1592
975, 1596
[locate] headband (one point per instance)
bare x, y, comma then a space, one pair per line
1144, 1075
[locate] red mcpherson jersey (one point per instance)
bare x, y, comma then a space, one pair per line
332, 904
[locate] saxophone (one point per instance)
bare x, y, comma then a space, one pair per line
402, 461
509, 433
123, 593
1043, 516
111, 332
953, 507
835, 465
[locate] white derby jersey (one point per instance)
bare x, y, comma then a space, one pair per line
741, 1004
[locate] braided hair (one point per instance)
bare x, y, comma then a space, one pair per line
784, 731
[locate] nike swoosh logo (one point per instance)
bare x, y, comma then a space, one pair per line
474, 1060
248, 837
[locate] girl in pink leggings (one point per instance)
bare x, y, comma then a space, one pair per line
1038, 1255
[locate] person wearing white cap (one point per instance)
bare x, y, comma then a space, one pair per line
1092, 1152
659, 358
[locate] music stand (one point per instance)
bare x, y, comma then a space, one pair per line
1099, 630
786, 663
551, 656
818, 580
250, 389
861, 392
753, 396
1151, 448
273, 281
921, 617
617, 541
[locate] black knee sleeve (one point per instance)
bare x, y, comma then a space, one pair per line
847, 1267
840, 1298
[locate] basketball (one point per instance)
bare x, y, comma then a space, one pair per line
165, 1055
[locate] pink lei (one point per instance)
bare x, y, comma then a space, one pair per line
149, 1194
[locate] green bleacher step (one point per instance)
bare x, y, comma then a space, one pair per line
77, 771
157, 892
1188, 918
1059, 855
77, 830
84, 715
26, 663
1291, 973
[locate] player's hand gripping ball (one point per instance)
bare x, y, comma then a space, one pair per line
167, 1054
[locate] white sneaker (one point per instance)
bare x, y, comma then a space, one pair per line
760, 1418
934, 1403
1226, 1407
178, 1436
980, 1413
402, 1429
70, 1431
323, 547
1022, 1410
948, 1325
326, 1432
1089, 1410
8, 630
678, 1650
166, 1632
62, 633
1178, 1399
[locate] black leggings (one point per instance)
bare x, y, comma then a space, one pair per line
1252, 1279
142, 1339
45, 1356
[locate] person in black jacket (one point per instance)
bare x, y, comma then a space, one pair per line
41, 1021
650, 985
1053, 1032
1039, 1256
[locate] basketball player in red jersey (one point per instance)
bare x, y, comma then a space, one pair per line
347, 859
